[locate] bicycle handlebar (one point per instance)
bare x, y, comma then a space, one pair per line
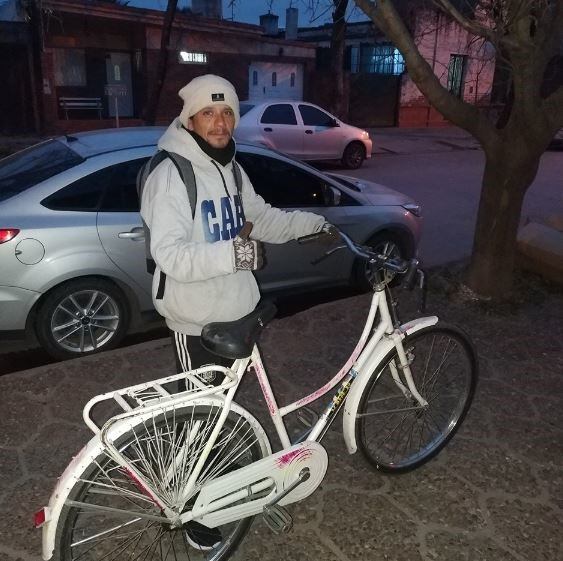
395, 265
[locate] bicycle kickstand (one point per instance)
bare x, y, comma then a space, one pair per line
275, 516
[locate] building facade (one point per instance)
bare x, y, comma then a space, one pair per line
380, 91
464, 64
99, 60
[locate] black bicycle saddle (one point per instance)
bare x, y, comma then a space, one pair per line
236, 339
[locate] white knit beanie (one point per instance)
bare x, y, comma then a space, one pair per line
205, 91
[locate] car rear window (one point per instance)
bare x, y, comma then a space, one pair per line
26, 168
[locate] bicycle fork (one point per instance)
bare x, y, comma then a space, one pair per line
409, 391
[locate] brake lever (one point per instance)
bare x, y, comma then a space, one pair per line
317, 260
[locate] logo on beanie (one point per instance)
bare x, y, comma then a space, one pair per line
218, 97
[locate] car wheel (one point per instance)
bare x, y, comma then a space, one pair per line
385, 243
82, 317
353, 156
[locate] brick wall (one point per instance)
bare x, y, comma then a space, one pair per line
437, 38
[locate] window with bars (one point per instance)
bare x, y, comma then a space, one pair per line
70, 67
376, 59
456, 74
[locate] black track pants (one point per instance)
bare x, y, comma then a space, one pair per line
190, 354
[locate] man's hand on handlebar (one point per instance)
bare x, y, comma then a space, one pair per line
330, 236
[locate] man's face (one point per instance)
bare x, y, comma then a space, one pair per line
215, 124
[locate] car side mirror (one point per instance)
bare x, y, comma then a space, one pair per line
334, 123
331, 196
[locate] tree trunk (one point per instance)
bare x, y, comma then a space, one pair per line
510, 169
36, 25
151, 107
339, 104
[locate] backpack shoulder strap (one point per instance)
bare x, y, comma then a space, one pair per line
238, 178
186, 172
146, 170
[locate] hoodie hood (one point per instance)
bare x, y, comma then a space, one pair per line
177, 139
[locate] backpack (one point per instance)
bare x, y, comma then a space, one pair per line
186, 172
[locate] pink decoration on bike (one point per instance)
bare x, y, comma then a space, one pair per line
286, 459
140, 486
329, 385
260, 374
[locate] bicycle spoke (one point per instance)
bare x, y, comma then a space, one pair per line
160, 452
396, 432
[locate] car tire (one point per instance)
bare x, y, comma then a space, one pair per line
354, 155
387, 243
82, 317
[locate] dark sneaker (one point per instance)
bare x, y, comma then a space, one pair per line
201, 537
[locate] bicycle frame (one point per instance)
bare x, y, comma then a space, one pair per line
375, 342
356, 364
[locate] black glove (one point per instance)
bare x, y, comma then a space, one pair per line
249, 254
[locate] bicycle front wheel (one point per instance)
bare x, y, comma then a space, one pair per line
394, 432
110, 517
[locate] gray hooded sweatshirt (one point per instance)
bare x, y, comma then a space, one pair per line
202, 284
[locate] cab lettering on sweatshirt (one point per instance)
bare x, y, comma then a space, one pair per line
222, 223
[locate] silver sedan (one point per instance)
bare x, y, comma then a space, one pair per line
72, 244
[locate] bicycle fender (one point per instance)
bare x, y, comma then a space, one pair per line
359, 385
94, 449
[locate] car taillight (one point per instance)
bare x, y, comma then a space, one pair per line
7, 234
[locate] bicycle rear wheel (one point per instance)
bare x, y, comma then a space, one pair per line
164, 449
396, 434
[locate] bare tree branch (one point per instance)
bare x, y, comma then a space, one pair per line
469, 25
454, 109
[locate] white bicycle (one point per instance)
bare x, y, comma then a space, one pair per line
179, 476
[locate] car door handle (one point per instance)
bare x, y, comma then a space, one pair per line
136, 234
267, 129
308, 131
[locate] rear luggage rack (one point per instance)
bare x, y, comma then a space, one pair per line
154, 395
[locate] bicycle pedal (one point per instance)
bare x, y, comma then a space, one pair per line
277, 518
307, 416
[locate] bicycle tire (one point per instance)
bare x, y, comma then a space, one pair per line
394, 433
89, 535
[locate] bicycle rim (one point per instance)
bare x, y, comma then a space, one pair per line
164, 449
394, 432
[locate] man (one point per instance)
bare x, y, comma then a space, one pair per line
204, 268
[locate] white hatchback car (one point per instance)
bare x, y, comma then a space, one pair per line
305, 131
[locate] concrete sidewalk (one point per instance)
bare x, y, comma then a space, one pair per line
394, 140
495, 493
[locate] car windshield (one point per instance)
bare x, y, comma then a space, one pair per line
26, 168
346, 182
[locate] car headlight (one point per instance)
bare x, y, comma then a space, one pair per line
413, 208
365, 134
